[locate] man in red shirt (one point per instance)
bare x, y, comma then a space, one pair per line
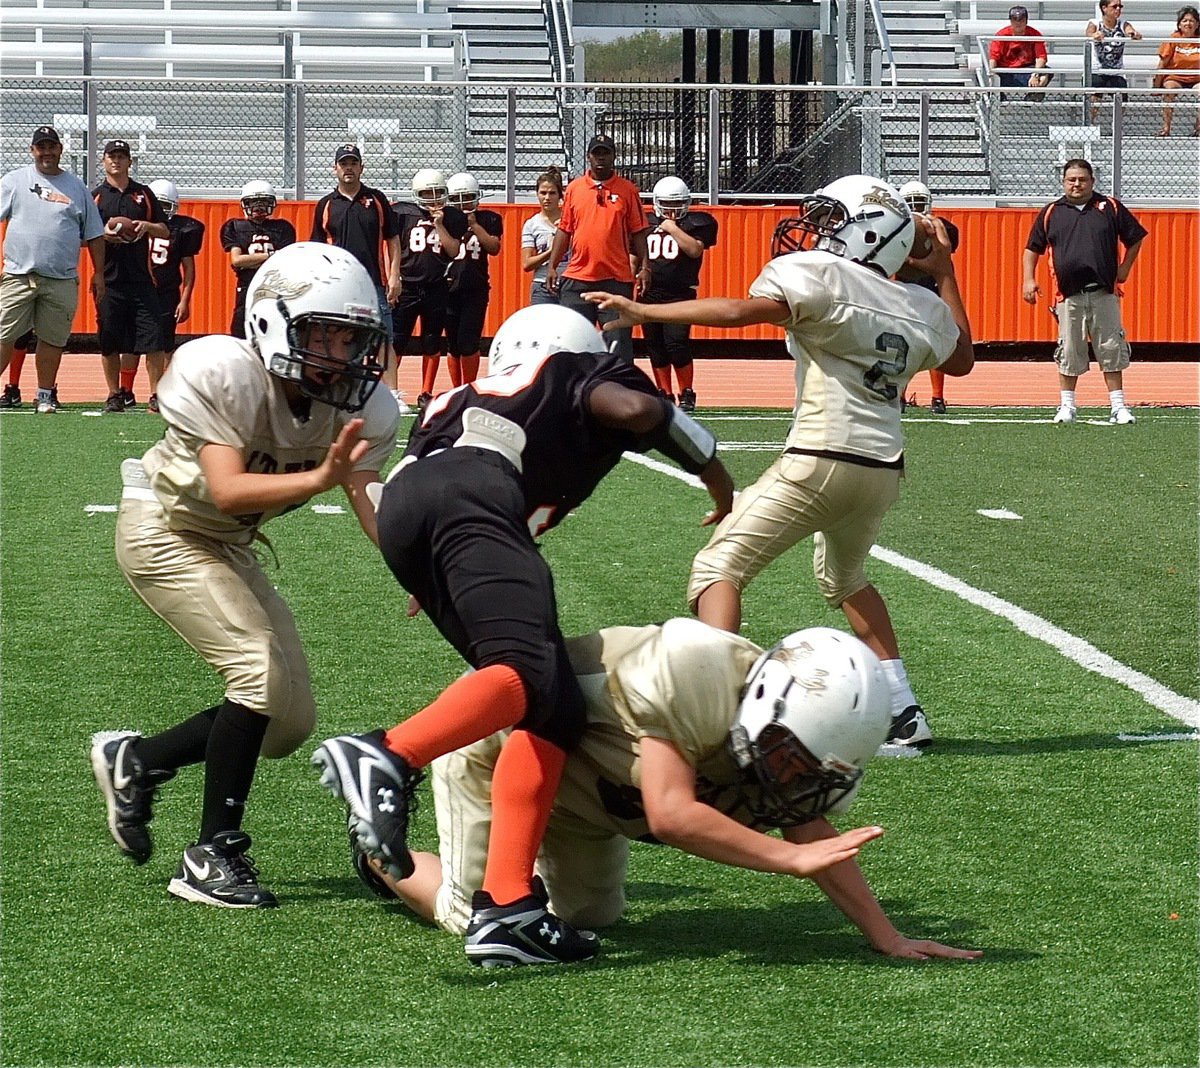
1030, 52
604, 225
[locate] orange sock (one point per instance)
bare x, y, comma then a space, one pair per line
937, 383
685, 375
470, 368
127, 378
456, 369
429, 372
470, 708
662, 378
15, 365
523, 788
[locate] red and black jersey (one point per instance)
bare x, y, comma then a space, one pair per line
423, 261
469, 270
361, 226
674, 275
168, 253
127, 263
567, 452
264, 236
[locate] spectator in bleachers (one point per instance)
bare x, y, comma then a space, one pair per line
537, 235
358, 218
128, 317
1108, 48
1019, 45
1179, 62
49, 216
605, 228
251, 241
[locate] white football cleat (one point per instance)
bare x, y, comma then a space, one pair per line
1122, 417
401, 403
1065, 414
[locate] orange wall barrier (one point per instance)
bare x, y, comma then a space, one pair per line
1160, 299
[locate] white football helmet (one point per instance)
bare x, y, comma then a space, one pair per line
814, 710
858, 217
917, 196
313, 315
167, 195
671, 197
462, 191
429, 188
258, 200
532, 333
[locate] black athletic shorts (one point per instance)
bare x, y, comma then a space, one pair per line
128, 319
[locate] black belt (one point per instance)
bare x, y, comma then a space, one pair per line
1093, 287
847, 458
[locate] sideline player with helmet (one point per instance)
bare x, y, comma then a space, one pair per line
857, 338
251, 241
698, 739
489, 467
431, 233
254, 429
173, 263
676, 243
468, 278
920, 202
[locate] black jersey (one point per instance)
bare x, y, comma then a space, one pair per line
423, 261
468, 272
672, 274
167, 253
266, 235
566, 451
131, 262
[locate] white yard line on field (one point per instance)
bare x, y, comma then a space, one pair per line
1073, 648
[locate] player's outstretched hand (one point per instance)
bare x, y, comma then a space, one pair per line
630, 312
719, 484
414, 606
925, 949
814, 857
348, 448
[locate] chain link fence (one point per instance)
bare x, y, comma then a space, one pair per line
731, 144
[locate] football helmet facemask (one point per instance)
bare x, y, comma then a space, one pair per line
462, 191
167, 196
857, 217
814, 710
529, 335
429, 188
917, 196
313, 315
671, 197
258, 200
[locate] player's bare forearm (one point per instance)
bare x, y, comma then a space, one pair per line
356, 493
723, 312
719, 483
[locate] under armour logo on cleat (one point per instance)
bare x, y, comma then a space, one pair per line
548, 932
386, 802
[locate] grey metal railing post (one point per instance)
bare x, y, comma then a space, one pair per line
289, 111
714, 146
1118, 109
923, 139
510, 145
89, 109
301, 164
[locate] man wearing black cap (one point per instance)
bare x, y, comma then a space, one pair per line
603, 224
49, 216
360, 220
129, 314
1028, 52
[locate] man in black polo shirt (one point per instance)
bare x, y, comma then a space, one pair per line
128, 314
360, 220
1083, 229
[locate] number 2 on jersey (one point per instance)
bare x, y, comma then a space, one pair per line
875, 379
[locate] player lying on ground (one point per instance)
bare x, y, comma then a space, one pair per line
700, 739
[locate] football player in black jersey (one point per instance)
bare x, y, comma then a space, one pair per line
676, 243
470, 285
488, 468
173, 261
430, 236
250, 241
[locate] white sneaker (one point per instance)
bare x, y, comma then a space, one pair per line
401, 403
1122, 417
1065, 414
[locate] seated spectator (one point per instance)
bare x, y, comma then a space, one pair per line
1005, 55
1108, 48
1179, 59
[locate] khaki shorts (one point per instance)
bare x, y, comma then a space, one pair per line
841, 503
584, 867
35, 302
1095, 316
218, 599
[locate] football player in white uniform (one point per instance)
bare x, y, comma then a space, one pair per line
857, 338
254, 429
698, 739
